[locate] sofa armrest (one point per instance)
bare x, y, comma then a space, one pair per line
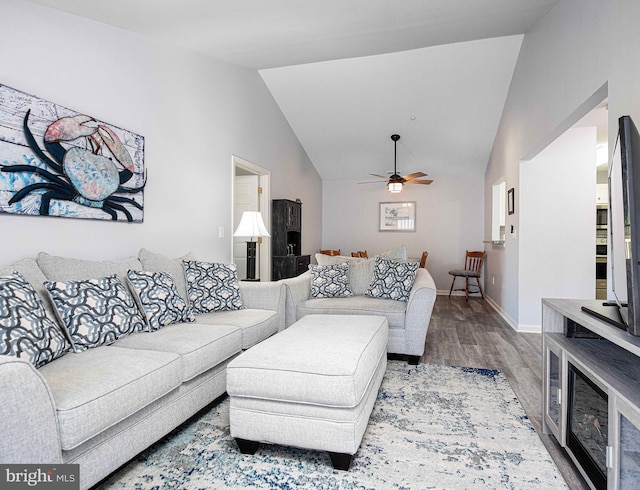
28, 420
297, 291
265, 296
418, 314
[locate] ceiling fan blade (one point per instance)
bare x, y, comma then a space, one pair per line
381, 176
371, 182
414, 175
426, 182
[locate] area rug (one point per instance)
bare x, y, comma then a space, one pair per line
432, 427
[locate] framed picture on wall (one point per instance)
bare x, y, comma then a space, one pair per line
511, 207
398, 216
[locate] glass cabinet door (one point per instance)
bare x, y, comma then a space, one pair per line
553, 381
628, 447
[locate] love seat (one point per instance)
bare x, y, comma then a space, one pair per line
102, 406
408, 320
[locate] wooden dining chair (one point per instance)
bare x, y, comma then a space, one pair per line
330, 252
361, 253
472, 268
423, 260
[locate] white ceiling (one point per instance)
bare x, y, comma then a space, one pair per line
348, 74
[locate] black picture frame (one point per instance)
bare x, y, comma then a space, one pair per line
511, 204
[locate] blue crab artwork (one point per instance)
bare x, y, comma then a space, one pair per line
81, 166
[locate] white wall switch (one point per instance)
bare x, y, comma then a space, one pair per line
220, 231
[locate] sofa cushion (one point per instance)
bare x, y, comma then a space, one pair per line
255, 324
212, 286
70, 269
393, 311
34, 276
392, 279
25, 329
330, 281
360, 270
97, 388
159, 263
95, 311
159, 299
200, 347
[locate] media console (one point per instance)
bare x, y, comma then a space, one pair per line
591, 393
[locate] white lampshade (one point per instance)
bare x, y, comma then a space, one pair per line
395, 187
251, 225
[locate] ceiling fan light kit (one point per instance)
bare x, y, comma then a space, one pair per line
396, 182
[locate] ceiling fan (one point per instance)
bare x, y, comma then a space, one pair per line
395, 181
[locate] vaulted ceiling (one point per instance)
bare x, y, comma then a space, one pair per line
348, 74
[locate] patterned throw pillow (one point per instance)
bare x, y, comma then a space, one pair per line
212, 286
330, 281
25, 329
159, 299
391, 279
95, 311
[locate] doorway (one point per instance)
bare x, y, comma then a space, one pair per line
251, 191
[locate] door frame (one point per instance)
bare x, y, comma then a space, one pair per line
264, 205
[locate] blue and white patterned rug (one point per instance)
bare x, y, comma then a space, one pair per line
432, 427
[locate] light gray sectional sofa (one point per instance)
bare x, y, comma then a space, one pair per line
102, 406
408, 321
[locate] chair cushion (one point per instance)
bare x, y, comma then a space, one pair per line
255, 324
393, 311
464, 273
201, 347
158, 298
212, 286
95, 389
25, 329
330, 281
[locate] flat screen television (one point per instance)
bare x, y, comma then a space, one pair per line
625, 158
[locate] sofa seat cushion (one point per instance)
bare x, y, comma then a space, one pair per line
97, 388
200, 347
393, 311
255, 324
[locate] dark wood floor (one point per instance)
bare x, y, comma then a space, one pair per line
473, 334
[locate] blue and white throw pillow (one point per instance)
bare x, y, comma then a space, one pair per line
159, 299
330, 281
212, 286
391, 279
25, 330
95, 311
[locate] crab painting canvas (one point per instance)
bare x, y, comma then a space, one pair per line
58, 162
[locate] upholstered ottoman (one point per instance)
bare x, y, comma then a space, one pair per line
312, 385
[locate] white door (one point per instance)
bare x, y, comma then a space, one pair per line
245, 198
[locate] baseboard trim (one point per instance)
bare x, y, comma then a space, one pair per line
510, 321
524, 328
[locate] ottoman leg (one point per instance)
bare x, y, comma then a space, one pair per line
341, 461
413, 360
247, 447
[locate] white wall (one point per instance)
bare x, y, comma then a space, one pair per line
449, 218
563, 61
557, 224
194, 112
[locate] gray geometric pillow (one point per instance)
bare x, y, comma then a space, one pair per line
25, 329
330, 281
391, 279
159, 298
212, 286
95, 311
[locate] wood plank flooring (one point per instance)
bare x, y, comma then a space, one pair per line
473, 334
